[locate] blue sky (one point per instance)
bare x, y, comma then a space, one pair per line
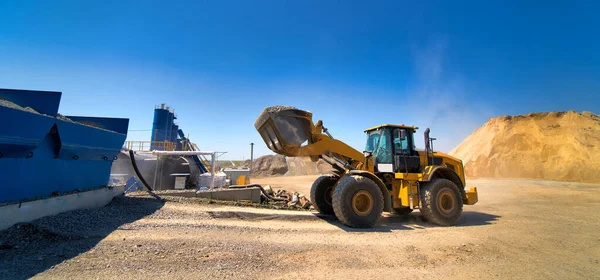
447, 65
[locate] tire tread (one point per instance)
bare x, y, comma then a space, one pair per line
343, 213
313, 194
427, 204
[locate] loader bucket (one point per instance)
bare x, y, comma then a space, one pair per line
284, 127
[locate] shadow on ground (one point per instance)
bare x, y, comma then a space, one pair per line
388, 223
253, 216
30, 248
413, 221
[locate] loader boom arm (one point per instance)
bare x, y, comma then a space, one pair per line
324, 145
291, 132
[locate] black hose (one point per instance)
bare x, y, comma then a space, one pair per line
137, 172
261, 189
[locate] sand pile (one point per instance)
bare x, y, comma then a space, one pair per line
266, 166
555, 146
278, 165
304, 166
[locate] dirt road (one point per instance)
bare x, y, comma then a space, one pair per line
518, 230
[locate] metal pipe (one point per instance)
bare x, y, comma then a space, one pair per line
155, 170
327, 132
182, 153
427, 147
344, 164
251, 160
212, 175
261, 189
333, 164
161, 173
139, 174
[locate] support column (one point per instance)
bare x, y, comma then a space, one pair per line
212, 173
251, 159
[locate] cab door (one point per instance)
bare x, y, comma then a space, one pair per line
406, 159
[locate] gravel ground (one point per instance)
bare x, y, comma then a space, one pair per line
34, 247
516, 231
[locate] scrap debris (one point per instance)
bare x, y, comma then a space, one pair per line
292, 199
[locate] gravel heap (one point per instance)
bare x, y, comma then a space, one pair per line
279, 165
547, 145
264, 116
9, 104
267, 166
6, 103
64, 118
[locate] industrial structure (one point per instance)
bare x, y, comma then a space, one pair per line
50, 163
170, 160
47, 156
165, 130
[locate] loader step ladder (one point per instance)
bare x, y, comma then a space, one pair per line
193, 147
412, 195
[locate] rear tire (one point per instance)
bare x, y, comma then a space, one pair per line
321, 193
357, 201
403, 211
441, 202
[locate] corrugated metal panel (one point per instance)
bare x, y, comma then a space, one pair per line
42, 155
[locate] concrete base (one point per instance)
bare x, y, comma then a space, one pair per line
250, 194
28, 211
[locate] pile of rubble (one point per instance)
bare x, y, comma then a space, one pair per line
293, 199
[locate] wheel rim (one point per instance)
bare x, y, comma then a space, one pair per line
329, 195
446, 202
362, 203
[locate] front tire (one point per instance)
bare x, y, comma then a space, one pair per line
441, 202
357, 201
321, 193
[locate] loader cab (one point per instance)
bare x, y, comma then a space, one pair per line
393, 149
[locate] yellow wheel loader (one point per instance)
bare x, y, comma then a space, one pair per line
389, 175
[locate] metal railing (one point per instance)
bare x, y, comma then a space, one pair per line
162, 106
147, 146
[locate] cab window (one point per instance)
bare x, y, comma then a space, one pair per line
384, 149
401, 146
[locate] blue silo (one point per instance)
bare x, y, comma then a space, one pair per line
161, 128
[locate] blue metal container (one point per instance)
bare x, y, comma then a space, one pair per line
43, 155
163, 128
160, 126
